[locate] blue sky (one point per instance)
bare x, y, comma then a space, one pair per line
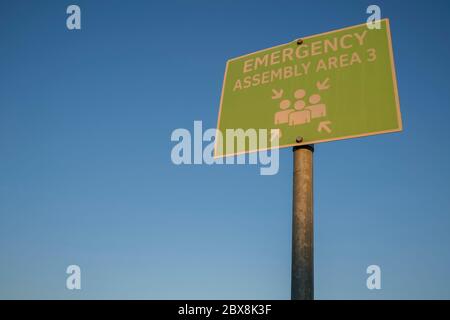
86, 176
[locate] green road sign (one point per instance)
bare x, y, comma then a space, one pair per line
335, 85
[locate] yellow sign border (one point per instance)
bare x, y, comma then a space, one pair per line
394, 78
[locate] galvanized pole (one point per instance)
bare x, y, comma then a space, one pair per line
302, 277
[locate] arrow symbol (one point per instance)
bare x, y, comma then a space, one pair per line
277, 93
324, 85
323, 125
275, 133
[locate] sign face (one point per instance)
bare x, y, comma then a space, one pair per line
335, 85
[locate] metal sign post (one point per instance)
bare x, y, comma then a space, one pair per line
302, 277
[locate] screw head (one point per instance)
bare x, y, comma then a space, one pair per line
300, 41
299, 139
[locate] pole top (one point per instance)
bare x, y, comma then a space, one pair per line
309, 147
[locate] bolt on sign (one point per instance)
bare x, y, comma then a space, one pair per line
331, 86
